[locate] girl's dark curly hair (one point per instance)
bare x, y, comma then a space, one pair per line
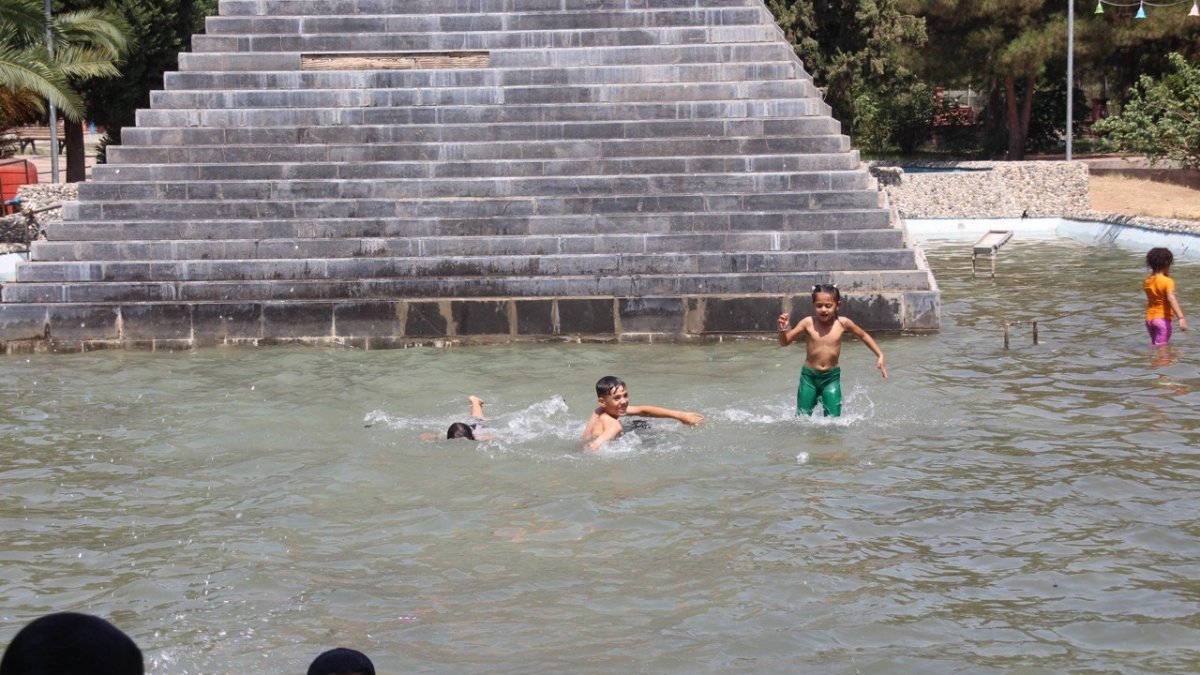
1159, 259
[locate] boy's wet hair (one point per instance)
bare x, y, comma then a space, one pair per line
342, 661
1159, 258
607, 385
460, 430
71, 644
831, 289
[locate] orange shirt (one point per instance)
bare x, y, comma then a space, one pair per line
1157, 286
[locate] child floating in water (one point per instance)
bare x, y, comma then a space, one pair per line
820, 377
469, 431
1161, 303
605, 422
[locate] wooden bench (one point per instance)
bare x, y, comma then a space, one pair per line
30, 135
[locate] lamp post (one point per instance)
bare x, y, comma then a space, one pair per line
1070, 71
53, 112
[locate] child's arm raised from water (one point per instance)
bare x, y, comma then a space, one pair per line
786, 337
1174, 302
689, 418
868, 341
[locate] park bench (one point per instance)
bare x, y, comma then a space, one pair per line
28, 136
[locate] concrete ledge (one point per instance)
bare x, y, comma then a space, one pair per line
382, 324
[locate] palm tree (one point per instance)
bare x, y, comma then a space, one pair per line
86, 44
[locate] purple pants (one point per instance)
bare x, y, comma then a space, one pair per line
1160, 331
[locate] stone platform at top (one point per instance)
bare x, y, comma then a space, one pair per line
384, 172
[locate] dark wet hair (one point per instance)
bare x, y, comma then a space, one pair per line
71, 644
460, 430
608, 384
1159, 258
342, 661
827, 288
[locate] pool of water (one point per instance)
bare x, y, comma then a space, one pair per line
984, 510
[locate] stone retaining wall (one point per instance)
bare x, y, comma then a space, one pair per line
985, 189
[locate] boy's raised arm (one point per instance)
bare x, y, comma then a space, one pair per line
689, 418
786, 336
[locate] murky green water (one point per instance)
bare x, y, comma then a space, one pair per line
984, 511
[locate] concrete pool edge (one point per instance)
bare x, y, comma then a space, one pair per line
1183, 237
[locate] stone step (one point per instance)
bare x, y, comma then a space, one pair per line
395, 247
552, 265
525, 114
537, 95
475, 77
479, 133
109, 173
472, 208
465, 287
447, 152
400, 7
566, 57
473, 22
184, 228
473, 187
379, 42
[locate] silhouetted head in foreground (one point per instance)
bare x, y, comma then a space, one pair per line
342, 661
71, 644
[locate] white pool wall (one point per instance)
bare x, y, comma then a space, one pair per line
1182, 244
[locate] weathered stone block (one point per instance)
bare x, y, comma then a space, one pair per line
83, 322
297, 320
425, 319
741, 315
586, 317
652, 315
215, 322
480, 317
367, 318
156, 321
535, 317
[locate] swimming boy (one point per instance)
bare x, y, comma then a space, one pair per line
469, 431
821, 377
605, 422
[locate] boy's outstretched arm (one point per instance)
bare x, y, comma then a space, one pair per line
1178, 311
868, 341
689, 418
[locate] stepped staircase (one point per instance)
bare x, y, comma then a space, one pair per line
387, 172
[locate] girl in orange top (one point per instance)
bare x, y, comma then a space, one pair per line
1161, 304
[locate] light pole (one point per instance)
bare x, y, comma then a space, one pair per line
53, 112
1070, 70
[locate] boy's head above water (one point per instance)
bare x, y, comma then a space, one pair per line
612, 396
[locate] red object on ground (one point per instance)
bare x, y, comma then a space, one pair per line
13, 174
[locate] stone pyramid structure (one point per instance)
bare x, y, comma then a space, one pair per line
387, 172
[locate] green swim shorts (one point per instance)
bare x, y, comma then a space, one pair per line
826, 386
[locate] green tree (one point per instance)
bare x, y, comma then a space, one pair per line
1162, 118
852, 47
86, 44
1000, 46
160, 29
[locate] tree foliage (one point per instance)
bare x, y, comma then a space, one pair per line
1162, 118
160, 30
851, 47
86, 45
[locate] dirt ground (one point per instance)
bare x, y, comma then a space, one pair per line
1137, 197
